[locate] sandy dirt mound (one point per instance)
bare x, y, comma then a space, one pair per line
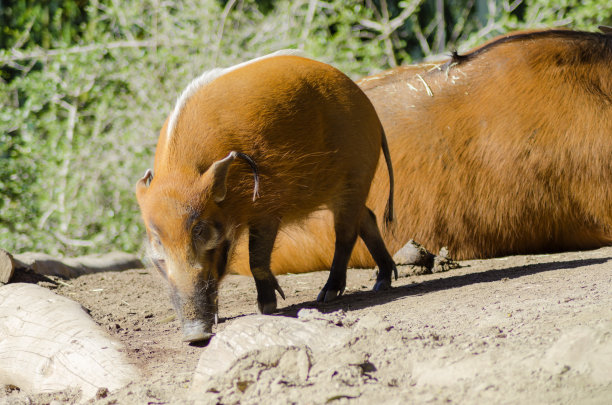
522, 329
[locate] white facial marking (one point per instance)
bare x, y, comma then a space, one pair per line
155, 250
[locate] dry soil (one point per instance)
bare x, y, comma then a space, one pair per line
515, 330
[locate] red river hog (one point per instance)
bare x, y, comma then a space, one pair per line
247, 150
506, 149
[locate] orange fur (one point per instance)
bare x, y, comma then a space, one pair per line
313, 139
504, 150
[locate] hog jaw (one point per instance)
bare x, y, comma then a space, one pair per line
197, 310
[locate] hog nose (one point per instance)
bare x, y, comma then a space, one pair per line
196, 331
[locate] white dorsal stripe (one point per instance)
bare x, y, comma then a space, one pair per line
208, 77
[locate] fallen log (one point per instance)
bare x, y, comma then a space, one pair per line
49, 343
44, 264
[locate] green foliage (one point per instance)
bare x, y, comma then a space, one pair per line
48, 24
86, 85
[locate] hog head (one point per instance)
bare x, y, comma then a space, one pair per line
190, 237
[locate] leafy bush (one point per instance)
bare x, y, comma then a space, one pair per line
86, 86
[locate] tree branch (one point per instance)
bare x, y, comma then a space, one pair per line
312, 7
44, 54
224, 15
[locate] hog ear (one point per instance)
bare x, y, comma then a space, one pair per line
143, 183
218, 172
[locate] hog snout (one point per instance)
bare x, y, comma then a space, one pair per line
196, 331
196, 311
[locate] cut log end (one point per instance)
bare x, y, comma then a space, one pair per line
49, 343
7, 266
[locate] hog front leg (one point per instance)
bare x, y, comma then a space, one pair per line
261, 243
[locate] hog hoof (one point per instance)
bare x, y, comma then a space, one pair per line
327, 295
195, 331
267, 308
382, 285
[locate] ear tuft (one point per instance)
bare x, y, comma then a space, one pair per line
219, 171
144, 182
148, 176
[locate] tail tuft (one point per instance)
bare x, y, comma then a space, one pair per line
388, 216
389, 211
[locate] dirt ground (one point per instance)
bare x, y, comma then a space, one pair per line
513, 330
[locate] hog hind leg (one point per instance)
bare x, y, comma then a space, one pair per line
370, 234
346, 222
261, 243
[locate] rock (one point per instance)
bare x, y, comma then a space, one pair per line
413, 254
49, 343
421, 261
254, 333
263, 373
337, 318
443, 262
371, 321
585, 350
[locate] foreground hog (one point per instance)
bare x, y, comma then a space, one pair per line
254, 147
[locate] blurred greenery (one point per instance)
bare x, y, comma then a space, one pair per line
86, 85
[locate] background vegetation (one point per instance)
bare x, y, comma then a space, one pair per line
85, 86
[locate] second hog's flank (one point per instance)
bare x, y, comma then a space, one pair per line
511, 155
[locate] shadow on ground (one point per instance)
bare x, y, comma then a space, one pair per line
363, 299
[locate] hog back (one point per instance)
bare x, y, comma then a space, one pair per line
313, 145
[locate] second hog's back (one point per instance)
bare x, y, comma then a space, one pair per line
312, 143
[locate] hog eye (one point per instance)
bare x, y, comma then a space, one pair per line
205, 236
201, 232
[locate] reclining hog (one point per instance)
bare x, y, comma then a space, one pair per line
506, 149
